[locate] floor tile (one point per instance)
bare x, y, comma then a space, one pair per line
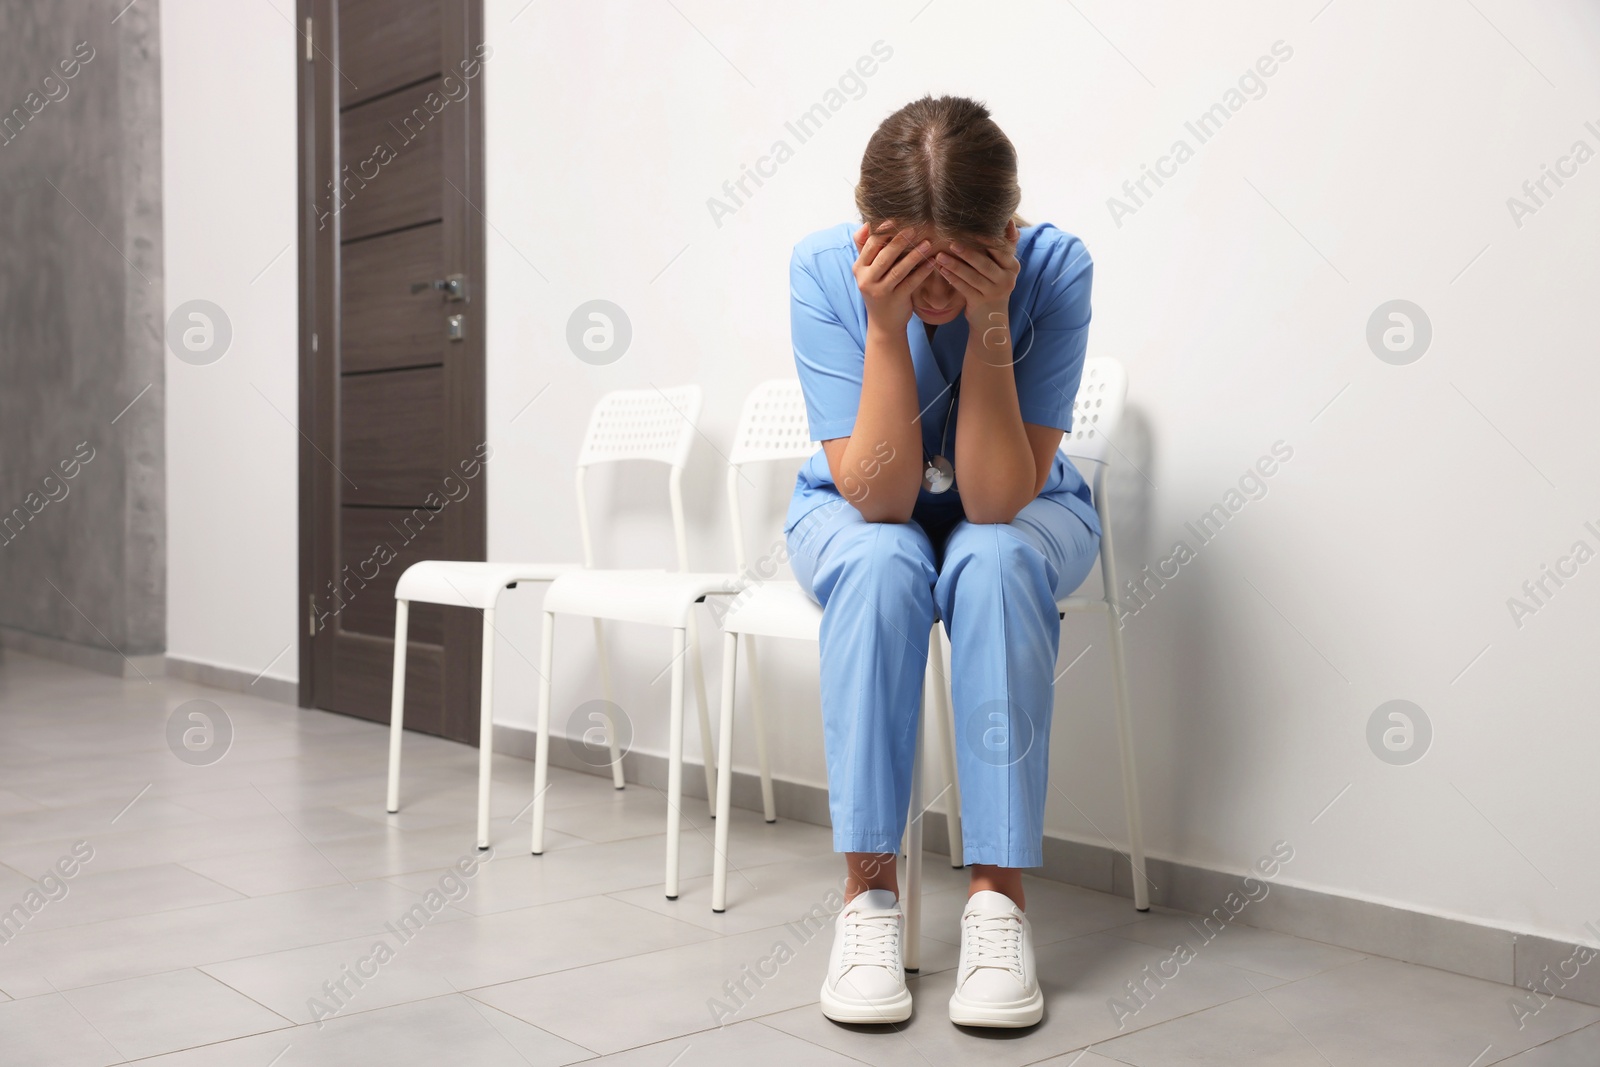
315, 982
737, 1045
13, 884
60, 827
46, 1031
194, 936
518, 880
384, 853
1263, 951
167, 1012
646, 998
147, 846
1581, 1048
1247, 1032
94, 896
13, 803
270, 870
427, 1033
773, 893
1415, 1015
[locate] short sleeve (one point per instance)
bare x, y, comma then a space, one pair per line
828, 355
1055, 333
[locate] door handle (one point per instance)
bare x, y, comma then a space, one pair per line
453, 286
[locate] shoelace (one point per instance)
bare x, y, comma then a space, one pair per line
871, 936
994, 941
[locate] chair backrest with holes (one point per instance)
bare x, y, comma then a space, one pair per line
1096, 410
650, 424
653, 424
772, 426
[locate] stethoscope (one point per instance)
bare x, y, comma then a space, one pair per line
938, 473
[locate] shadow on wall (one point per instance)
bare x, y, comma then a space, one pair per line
1193, 660
1130, 487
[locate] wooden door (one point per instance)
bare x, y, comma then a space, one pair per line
392, 379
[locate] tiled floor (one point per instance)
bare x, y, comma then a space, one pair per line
249, 912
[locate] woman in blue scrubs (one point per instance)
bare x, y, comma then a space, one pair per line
939, 344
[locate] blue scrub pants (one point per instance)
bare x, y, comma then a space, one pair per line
881, 585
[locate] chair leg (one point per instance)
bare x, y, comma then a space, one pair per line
675, 765
758, 713
1119, 685
486, 728
605, 690
912, 905
719, 872
397, 702
541, 756
707, 756
947, 741
1130, 782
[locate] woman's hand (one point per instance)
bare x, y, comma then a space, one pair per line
888, 270
998, 463
879, 466
984, 277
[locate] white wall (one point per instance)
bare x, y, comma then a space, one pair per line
228, 176
1376, 165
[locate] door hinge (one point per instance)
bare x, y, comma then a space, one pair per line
311, 614
308, 37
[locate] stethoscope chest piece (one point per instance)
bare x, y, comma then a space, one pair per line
938, 473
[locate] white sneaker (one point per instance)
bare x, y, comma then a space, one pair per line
996, 984
866, 980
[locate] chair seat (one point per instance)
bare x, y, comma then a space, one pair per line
652, 597
470, 584
774, 609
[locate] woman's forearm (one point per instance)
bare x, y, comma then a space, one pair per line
887, 424
994, 460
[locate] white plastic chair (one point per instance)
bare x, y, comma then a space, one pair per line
1096, 413
773, 427
640, 428
652, 424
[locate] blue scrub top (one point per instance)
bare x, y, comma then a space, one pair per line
1049, 313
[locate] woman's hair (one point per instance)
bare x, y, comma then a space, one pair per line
941, 162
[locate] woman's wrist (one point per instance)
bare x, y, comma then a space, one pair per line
989, 335
984, 316
881, 335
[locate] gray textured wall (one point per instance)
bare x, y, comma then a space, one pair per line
82, 558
